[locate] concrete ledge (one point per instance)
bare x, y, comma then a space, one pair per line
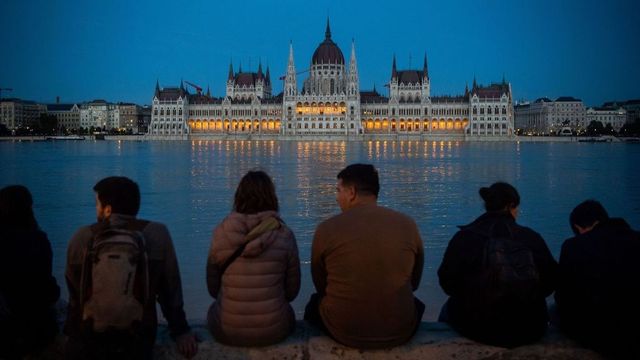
433, 341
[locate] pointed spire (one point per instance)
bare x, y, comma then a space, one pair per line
230, 77
504, 80
157, 92
260, 75
290, 50
240, 67
466, 89
268, 76
208, 92
374, 88
353, 50
327, 32
475, 84
425, 67
181, 84
394, 72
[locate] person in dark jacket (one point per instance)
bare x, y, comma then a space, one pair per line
504, 321
599, 283
28, 291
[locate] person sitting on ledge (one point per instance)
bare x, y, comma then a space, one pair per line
253, 269
28, 291
598, 291
116, 269
497, 275
365, 263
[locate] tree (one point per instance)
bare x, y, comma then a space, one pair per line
48, 124
595, 128
631, 129
609, 129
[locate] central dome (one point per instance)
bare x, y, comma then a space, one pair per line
327, 52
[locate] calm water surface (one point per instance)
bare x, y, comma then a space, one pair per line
189, 186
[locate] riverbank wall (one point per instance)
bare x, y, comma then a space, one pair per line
363, 137
433, 340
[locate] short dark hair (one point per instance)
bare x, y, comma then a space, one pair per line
16, 210
255, 193
363, 177
499, 196
122, 193
586, 214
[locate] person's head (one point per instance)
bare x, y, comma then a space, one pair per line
116, 195
357, 182
16, 208
255, 193
500, 196
587, 215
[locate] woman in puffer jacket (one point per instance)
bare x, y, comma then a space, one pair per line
253, 286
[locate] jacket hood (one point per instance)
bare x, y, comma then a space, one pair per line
239, 225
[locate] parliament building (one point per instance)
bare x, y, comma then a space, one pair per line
330, 102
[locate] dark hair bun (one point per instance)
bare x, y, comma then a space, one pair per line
499, 196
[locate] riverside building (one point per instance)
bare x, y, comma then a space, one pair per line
330, 102
546, 117
617, 118
68, 115
16, 113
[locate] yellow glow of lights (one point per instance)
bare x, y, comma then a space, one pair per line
322, 109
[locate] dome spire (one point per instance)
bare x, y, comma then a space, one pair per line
327, 32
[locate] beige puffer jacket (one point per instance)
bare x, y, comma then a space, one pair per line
252, 296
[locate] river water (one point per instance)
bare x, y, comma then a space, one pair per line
189, 186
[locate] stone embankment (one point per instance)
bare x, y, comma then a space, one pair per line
432, 341
362, 137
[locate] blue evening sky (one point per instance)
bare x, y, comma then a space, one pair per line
115, 50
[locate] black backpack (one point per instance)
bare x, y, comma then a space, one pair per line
508, 275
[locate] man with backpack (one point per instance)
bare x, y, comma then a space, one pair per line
116, 269
497, 275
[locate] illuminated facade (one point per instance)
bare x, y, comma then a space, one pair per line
330, 103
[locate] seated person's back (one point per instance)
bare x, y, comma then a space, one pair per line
366, 262
598, 291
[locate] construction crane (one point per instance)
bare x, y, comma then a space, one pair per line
198, 88
4, 89
298, 73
